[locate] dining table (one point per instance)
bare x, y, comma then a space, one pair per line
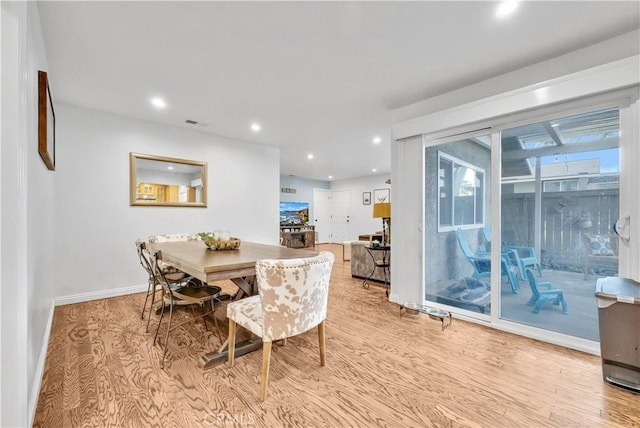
238, 265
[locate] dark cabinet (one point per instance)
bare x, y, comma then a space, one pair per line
298, 236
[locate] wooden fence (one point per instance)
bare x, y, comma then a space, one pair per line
566, 217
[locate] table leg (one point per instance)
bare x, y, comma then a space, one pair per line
212, 359
246, 285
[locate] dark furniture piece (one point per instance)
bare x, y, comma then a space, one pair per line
371, 237
298, 236
381, 260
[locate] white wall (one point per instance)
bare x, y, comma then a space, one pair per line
361, 216
27, 225
95, 226
304, 190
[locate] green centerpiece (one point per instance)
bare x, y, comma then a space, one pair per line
219, 243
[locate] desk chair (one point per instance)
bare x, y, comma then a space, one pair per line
292, 299
182, 296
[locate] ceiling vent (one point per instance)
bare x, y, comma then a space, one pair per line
195, 122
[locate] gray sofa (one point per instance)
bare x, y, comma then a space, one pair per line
362, 264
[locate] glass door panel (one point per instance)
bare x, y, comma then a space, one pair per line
560, 190
457, 259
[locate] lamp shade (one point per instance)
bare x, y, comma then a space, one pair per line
382, 210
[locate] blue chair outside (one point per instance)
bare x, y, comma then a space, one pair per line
481, 262
540, 297
522, 257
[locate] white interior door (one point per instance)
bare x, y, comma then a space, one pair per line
340, 208
322, 214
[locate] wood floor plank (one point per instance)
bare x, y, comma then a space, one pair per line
382, 369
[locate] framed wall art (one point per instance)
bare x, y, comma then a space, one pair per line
366, 198
46, 123
381, 195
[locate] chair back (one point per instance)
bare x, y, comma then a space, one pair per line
157, 270
176, 237
464, 245
145, 257
293, 294
533, 284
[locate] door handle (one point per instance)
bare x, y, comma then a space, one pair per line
622, 226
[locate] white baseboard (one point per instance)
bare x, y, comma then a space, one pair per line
34, 393
103, 294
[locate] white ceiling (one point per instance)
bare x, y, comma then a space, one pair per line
319, 77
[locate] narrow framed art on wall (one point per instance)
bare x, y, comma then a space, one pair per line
366, 198
46, 123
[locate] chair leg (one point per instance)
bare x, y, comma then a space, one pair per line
266, 362
321, 342
155, 337
563, 302
231, 344
144, 306
153, 301
166, 339
204, 316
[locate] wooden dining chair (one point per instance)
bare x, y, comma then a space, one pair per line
184, 295
174, 277
292, 299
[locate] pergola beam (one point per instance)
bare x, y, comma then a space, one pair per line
554, 134
605, 143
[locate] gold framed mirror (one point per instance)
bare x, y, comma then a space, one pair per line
167, 182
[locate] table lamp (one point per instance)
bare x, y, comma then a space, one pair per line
383, 210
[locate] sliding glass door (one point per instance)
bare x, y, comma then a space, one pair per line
559, 200
559, 197
457, 194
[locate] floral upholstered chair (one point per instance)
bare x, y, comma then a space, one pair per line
292, 299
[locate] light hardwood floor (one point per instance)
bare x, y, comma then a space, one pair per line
382, 370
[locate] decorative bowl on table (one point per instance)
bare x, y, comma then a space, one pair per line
219, 243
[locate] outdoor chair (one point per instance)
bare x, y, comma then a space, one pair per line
522, 257
481, 262
598, 253
292, 299
542, 293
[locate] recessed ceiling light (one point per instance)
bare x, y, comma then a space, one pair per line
310, 156
158, 102
330, 177
255, 127
506, 8
169, 167
377, 140
374, 170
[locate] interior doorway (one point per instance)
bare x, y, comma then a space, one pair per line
331, 215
